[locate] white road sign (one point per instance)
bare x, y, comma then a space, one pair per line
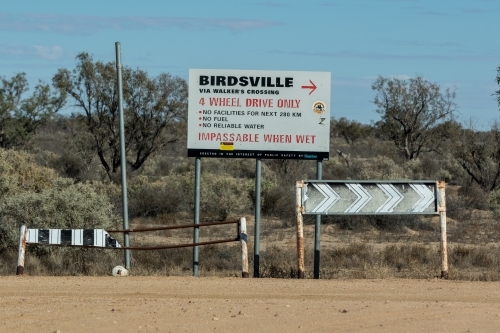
259, 114
369, 197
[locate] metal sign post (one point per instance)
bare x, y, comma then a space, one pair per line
317, 227
123, 157
256, 244
196, 231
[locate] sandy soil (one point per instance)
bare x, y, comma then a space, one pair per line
187, 304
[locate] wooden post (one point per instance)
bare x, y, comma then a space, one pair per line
21, 250
300, 229
244, 248
442, 221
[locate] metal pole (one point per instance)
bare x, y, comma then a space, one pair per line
299, 185
256, 244
317, 226
196, 230
442, 221
123, 157
244, 248
21, 250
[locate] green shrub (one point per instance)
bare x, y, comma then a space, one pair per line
495, 203
378, 168
474, 196
278, 262
223, 195
405, 255
466, 257
19, 173
353, 256
397, 223
335, 169
150, 199
66, 205
35, 196
355, 223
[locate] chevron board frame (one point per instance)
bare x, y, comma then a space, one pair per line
369, 197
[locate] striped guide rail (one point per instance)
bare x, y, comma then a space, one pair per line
100, 238
71, 237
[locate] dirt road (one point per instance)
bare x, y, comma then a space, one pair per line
187, 304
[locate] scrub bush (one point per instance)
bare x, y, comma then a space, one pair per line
35, 196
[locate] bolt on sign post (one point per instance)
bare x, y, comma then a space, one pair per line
260, 115
370, 197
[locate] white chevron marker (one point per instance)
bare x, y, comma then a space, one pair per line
363, 198
426, 197
331, 197
394, 198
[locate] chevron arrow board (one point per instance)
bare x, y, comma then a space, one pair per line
369, 198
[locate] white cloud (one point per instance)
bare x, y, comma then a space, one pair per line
49, 52
347, 54
401, 77
275, 4
15, 50
86, 25
37, 51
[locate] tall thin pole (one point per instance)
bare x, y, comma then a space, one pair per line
317, 226
442, 221
244, 249
256, 244
299, 185
123, 157
21, 250
196, 231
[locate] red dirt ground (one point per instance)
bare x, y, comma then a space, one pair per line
187, 304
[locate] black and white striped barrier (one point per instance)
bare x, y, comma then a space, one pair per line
100, 238
71, 237
62, 237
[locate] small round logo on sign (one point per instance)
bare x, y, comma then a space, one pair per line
319, 107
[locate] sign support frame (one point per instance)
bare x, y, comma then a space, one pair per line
440, 205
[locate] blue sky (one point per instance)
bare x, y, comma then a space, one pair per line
451, 42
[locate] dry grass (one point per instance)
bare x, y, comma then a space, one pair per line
367, 252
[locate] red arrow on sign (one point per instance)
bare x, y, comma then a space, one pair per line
312, 87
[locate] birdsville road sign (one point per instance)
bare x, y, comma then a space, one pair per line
369, 197
259, 114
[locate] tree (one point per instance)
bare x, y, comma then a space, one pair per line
498, 82
411, 112
351, 130
152, 108
20, 118
478, 152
